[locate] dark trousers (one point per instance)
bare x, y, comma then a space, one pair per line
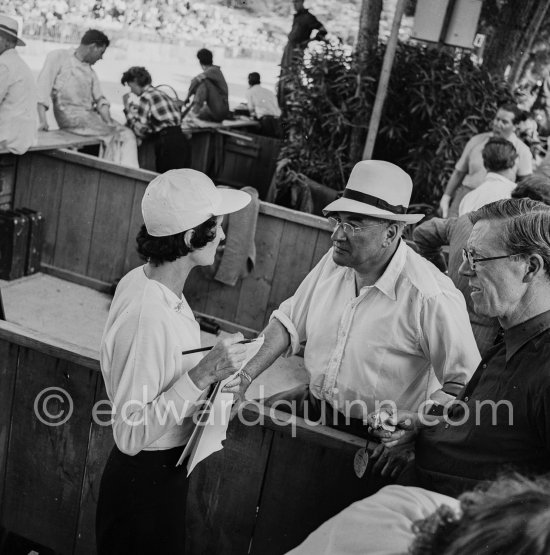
211, 102
172, 149
301, 402
141, 505
270, 126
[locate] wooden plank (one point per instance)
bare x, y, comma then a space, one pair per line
290, 215
111, 224
8, 371
73, 277
50, 346
58, 138
293, 263
305, 484
256, 288
22, 188
225, 491
322, 246
131, 257
44, 475
76, 217
103, 165
196, 289
100, 445
44, 194
222, 300
201, 151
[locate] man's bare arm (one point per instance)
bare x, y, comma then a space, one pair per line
275, 344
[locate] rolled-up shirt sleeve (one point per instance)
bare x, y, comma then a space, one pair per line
293, 312
46, 77
97, 93
433, 234
448, 341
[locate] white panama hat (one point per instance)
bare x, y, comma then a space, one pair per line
10, 27
178, 200
378, 189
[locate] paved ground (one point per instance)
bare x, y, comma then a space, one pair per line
77, 314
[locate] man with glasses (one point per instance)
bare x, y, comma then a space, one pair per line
379, 323
432, 235
501, 419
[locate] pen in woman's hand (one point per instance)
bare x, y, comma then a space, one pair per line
202, 349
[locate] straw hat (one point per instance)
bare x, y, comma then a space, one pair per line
377, 189
10, 28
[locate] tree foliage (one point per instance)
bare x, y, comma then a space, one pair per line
435, 103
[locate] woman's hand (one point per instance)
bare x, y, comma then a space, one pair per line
222, 361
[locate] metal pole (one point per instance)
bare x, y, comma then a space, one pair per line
384, 80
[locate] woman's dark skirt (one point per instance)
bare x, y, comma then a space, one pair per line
141, 505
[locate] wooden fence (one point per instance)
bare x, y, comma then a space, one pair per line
92, 210
262, 494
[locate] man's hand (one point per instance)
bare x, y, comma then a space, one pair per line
405, 423
222, 361
391, 462
42, 118
239, 395
444, 204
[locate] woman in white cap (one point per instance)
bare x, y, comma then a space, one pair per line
153, 387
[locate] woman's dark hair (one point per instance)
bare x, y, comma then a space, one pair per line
509, 517
136, 74
158, 250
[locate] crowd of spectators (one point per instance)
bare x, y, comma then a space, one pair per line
167, 20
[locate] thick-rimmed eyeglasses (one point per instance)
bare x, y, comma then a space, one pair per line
347, 227
467, 256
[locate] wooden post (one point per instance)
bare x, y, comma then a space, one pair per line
384, 80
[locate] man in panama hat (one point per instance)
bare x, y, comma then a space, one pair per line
379, 322
18, 121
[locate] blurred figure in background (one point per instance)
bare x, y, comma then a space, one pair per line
156, 120
469, 171
209, 90
18, 95
68, 81
299, 37
262, 104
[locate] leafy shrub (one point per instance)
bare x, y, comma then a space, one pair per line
436, 101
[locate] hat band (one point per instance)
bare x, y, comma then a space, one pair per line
374, 201
8, 29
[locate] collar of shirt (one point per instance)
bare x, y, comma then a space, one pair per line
387, 282
491, 176
516, 337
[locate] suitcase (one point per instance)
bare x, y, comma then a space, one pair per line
36, 239
14, 237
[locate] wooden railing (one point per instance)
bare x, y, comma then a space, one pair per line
263, 493
92, 210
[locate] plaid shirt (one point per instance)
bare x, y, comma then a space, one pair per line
155, 111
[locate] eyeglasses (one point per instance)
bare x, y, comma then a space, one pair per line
467, 256
347, 227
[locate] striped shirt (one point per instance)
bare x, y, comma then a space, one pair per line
155, 111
